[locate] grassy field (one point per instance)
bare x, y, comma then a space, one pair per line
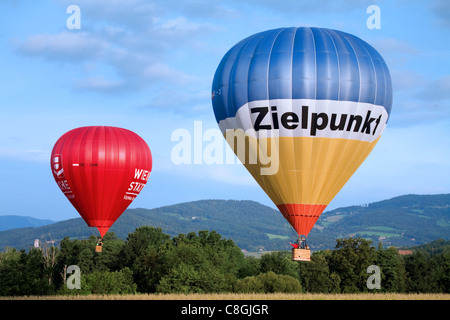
234, 296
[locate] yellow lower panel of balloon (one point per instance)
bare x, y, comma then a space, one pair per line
302, 170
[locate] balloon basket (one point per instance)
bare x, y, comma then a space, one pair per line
301, 254
98, 248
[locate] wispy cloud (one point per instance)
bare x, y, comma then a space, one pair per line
436, 90
64, 46
394, 47
441, 8
99, 83
229, 174
295, 6
32, 155
125, 47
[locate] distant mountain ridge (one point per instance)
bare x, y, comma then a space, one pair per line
401, 221
13, 221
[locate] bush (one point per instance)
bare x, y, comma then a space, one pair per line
251, 284
185, 278
23, 273
269, 282
107, 282
279, 263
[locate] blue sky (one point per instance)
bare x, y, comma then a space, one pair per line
148, 65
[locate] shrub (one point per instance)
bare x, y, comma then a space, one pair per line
107, 282
268, 282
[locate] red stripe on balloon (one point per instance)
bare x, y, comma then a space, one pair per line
301, 216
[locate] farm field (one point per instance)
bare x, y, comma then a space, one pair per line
234, 296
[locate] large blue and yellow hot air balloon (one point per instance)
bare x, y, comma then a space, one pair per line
317, 100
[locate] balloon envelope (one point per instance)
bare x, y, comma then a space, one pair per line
309, 104
101, 170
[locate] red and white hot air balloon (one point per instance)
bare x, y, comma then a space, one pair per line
101, 170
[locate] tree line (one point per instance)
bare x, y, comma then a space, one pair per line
150, 261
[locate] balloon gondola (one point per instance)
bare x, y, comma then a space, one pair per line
318, 99
101, 170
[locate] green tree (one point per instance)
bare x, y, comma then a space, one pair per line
250, 284
110, 257
392, 267
441, 271
350, 261
148, 270
207, 262
23, 273
224, 254
250, 267
280, 263
315, 275
280, 283
142, 253
9, 272
183, 279
268, 282
107, 282
419, 273
81, 252
186, 278
139, 241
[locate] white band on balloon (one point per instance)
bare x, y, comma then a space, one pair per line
309, 118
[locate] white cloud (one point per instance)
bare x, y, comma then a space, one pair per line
393, 47
180, 27
182, 100
124, 47
406, 79
64, 46
414, 112
442, 10
418, 101
25, 154
130, 13
99, 83
297, 6
163, 72
229, 174
437, 90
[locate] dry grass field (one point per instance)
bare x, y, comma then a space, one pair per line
234, 296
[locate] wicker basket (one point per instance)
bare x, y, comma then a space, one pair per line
98, 248
301, 254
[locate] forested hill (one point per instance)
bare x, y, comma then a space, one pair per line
12, 221
402, 221
251, 225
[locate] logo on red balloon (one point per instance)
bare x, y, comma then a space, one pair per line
57, 166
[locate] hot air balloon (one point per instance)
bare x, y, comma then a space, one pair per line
316, 100
101, 170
